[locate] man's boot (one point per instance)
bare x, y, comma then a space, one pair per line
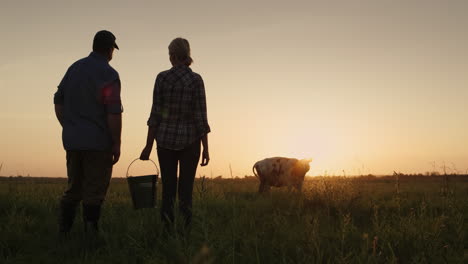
91, 214
66, 216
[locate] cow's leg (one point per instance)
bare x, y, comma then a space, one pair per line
260, 187
290, 185
264, 187
299, 187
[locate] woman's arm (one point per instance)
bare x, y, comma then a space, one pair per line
201, 117
205, 153
149, 144
152, 122
201, 120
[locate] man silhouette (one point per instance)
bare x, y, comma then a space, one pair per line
89, 109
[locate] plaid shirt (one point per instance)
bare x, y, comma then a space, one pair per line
179, 108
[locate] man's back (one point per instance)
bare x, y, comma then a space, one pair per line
89, 90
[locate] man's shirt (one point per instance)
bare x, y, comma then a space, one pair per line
88, 92
179, 108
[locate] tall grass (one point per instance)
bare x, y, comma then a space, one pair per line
335, 220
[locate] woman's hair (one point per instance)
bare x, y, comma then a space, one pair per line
179, 49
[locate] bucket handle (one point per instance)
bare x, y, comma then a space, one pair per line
157, 169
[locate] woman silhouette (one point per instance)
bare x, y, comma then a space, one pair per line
178, 122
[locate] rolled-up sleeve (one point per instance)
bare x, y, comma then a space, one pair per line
58, 96
111, 97
155, 114
201, 117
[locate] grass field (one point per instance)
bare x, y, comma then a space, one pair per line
405, 219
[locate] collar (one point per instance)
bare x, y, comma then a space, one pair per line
181, 67
98, 56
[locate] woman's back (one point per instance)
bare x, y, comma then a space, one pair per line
179, 108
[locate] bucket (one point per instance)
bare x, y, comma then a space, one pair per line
143, 188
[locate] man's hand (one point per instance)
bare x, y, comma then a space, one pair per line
146, 153
115, 153
114, 121
205, 157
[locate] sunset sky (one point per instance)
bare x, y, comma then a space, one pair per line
359, 86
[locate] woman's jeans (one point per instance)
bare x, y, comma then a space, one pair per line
169, 160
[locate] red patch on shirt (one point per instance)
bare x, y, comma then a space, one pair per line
106, 91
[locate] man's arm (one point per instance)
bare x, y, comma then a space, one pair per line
114, 121
59, 98
59, 113
111, 99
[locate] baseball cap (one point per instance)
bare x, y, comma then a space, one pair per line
104, 39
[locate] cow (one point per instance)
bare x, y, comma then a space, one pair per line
280, 171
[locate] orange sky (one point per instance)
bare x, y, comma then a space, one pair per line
359, 86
